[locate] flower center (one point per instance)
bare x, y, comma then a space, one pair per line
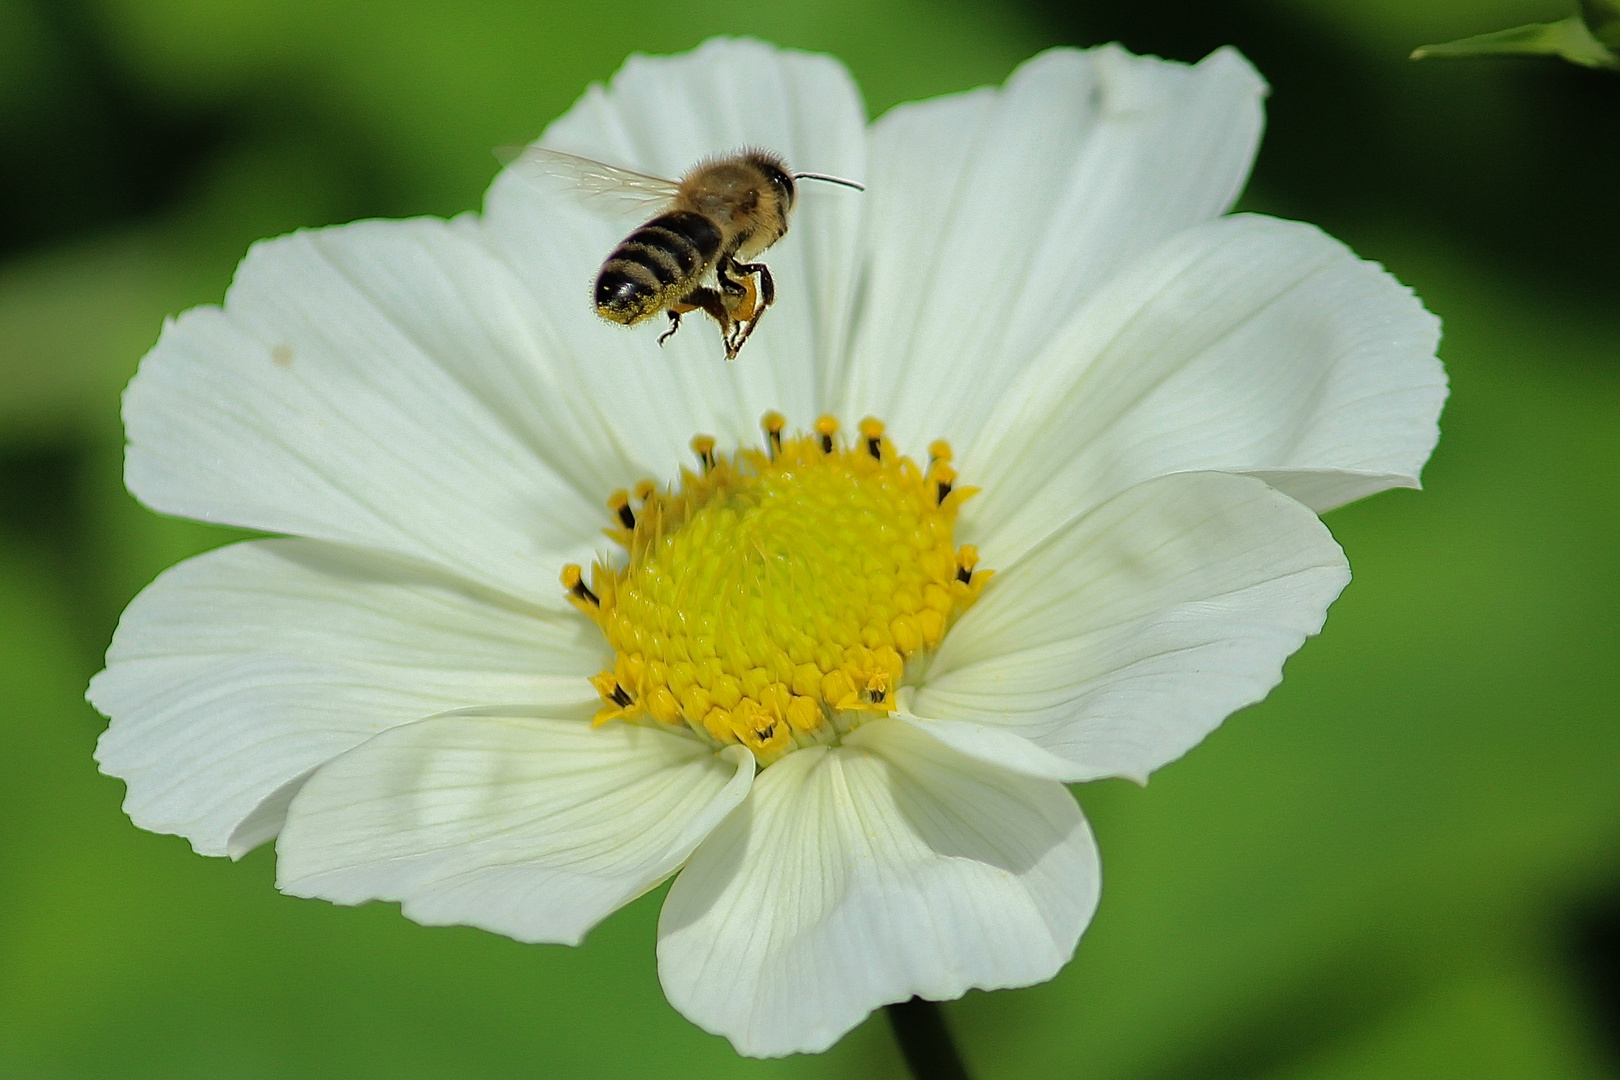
774, 597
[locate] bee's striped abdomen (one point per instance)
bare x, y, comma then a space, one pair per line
656, 265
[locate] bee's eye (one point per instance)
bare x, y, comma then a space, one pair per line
779, 179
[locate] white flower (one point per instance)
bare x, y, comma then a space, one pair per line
1152, 399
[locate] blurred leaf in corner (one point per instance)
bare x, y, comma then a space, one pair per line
1590, 39
1603, 19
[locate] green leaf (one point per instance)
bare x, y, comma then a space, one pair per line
1602, 17
1568, 38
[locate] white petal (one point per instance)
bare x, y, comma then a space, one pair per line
528, 826
1130, 634
374, 384
237, 672
661, 115
863, 874
1247, 344
996, 213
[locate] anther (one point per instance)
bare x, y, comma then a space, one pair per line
619, 503
944, 478
827, 427
773, 423
574, 581
872, 432
967, 557
703, 447
646, 490
620, 698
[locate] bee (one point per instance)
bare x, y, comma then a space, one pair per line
697, 252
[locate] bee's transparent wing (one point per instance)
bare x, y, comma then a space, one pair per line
594, 183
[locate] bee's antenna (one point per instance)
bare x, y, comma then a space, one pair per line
829, 179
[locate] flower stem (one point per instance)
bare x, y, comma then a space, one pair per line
925, 1041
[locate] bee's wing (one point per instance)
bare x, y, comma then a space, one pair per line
594, 183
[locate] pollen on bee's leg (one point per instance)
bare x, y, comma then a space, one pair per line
743, 308
774, 600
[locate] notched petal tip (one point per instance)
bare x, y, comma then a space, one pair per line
1229, 61
889, 867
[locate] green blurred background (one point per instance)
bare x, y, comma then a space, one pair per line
1405, 864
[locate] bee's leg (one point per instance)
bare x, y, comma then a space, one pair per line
674, 324
737, 293
767, 284
742, 300
726, 271
708, 301
757, 299
738, 287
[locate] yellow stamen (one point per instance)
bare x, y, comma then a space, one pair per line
582, 597
776, 599
872, 432
827, 427
943, 477
773, 423
619, 503
703, 447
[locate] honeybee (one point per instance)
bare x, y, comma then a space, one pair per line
724, 213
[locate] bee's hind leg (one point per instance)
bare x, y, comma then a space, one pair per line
704, 299
767, 284
674, 325
741, 295
750, 308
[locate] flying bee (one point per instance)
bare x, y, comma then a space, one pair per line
696, 253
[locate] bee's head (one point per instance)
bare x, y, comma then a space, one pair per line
775, 170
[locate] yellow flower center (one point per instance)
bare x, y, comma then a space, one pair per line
774, 597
